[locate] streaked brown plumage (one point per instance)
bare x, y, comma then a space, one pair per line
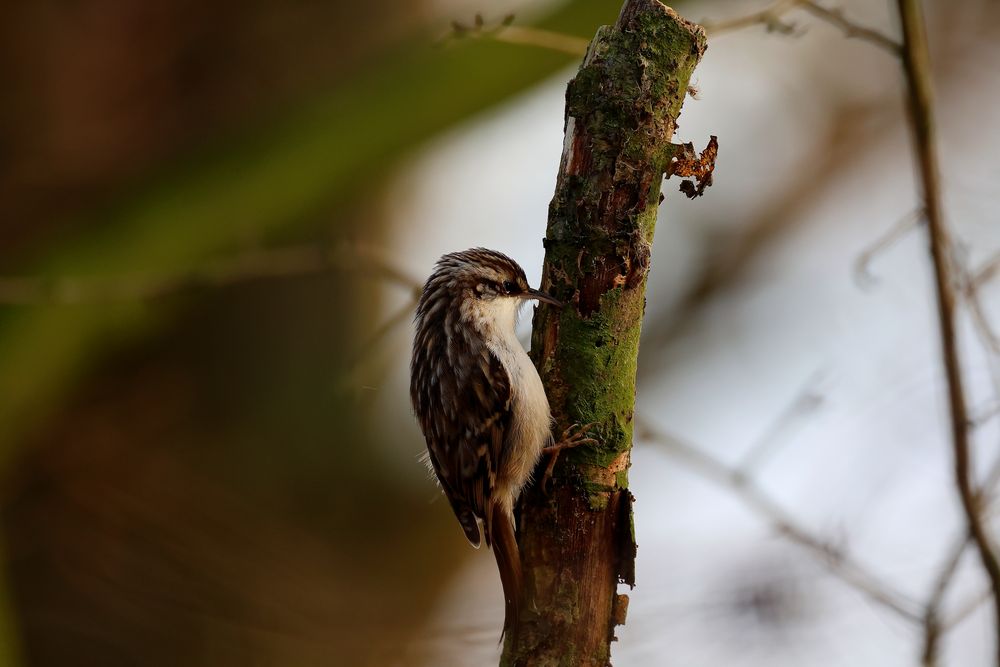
479, 400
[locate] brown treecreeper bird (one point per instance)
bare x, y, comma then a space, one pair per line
479, 400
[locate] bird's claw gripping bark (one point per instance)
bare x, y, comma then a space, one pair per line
574, 436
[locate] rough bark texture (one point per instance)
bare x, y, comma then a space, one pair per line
577, 541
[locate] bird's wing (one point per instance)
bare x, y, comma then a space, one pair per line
468, 432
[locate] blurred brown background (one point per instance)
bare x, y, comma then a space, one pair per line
214, 216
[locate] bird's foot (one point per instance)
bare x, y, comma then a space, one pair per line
574, 436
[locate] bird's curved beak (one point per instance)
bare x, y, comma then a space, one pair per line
539, 295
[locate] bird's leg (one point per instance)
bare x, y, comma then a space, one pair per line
574, 436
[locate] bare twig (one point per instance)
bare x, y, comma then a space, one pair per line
402, 313
971, 288
282, 262
521, 35
985, 414
546, 39
772, 18
862, 266
933, 628
971, 284
916, 64
834, 558
806, 401
835, 17
966, 610
987, 271
989, 337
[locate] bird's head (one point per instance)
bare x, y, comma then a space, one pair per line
486, 286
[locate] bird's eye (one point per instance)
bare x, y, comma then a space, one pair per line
510, 287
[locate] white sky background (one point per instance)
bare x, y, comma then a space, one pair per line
868, 467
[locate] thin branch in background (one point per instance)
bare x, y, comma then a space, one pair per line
852, 30
966, 610
834, 558
862, 266
772, 18
933, 627
981, 321
402, 313
971, 285
546, 39
505, 31
283, 262
987, 272
916, 65
985, 414
806, 401
373, 261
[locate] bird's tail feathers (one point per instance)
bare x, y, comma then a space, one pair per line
500, 535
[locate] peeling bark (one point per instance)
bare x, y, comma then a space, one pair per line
578, 542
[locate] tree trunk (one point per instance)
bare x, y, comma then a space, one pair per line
577, 541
